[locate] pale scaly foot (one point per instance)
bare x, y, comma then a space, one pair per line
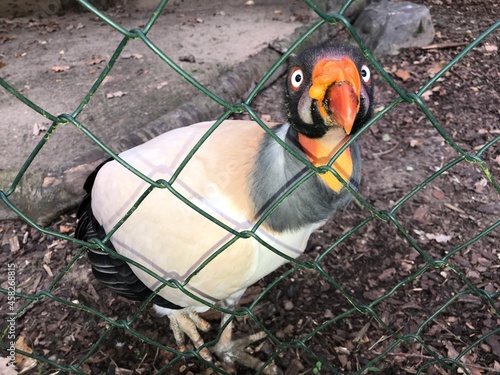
233, 352
189, 322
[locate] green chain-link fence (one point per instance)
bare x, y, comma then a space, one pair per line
449, 364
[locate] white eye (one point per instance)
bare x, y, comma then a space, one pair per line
365, 73
296, 78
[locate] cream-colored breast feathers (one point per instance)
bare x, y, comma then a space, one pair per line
171, 238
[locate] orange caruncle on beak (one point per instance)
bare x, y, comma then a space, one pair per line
340, 83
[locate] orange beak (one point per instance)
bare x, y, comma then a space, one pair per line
338, 82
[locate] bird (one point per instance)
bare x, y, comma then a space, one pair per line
250, 200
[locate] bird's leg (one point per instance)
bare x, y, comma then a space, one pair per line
182, 322
231, 352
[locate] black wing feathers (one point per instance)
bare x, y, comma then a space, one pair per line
114, 273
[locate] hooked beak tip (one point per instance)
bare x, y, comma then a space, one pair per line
343, 102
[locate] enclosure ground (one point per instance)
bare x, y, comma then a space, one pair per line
399, 152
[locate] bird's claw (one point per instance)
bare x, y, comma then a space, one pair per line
189, 324
228, 351
233, 352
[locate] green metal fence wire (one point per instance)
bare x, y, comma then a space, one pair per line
449, 364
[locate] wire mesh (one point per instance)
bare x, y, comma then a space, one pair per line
390, 216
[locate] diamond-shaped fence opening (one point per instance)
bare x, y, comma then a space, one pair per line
423, 276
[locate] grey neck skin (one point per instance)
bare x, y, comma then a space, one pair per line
276, 171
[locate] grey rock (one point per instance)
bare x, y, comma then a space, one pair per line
387, 27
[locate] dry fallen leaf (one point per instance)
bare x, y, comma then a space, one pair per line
490, 47
392, 69
452, 352
48, 270
438, 194
426, 95
136, 56
21, 345
107, 79
416, 142
37, 128
440, 238
58, 69
402, 74
420, 213
6, 38
94, 60
387, 273
161, 85
475, 371
14, 244
480, 185
116, 94
65, 228
434, 69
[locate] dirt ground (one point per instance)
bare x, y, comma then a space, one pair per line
54, 62
400, 151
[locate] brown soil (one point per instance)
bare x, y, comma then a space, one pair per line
400, 151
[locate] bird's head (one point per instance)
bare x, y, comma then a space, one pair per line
328, 86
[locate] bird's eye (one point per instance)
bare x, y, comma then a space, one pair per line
296, 78
365, 73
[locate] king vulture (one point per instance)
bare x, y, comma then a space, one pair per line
238, 173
